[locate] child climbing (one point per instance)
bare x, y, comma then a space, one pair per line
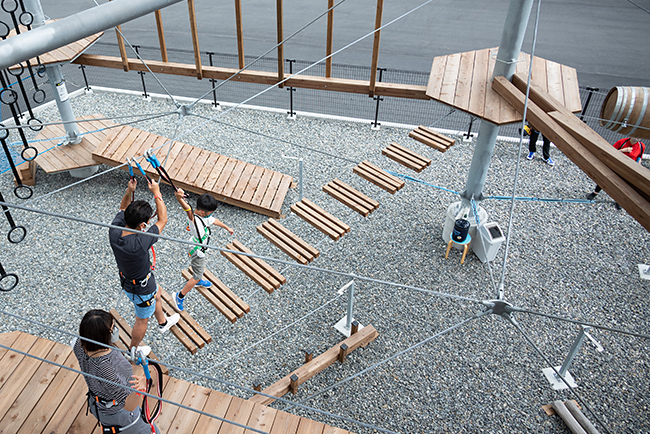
200, 221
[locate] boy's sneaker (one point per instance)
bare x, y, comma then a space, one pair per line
144, 349
549, 161
171, 320
591, 196
204, 283
530, 156
178, 301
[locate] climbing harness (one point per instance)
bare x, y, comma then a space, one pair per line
17, 233
205, 239
148, 416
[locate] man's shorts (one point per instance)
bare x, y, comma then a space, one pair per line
143, 312
198, 266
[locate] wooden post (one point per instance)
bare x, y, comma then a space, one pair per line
195, 39
122, 47
280, 39
375, 47
355, 327
330, 38
161, 36
293, 386
240, 35
257, 385
309, 355
343, 352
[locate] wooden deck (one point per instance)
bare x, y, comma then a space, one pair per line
68, 157
464, 81
194, 169
39, 397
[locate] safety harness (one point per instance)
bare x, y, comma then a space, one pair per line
205, 239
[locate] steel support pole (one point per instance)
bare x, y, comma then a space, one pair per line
78, 26
348, 318
512, 39
574, 350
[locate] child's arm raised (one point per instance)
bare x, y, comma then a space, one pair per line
180, 197
126, 199
219, 223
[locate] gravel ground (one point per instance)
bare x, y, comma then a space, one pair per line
574, 260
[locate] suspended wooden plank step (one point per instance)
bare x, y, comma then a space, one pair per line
350, 197
406, 157
194, 169
320, 219
125, 336
379, 177
290, 243
42, 398
258, 270
220, 296
432, 139
337, 353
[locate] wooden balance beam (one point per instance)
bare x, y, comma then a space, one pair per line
285, 240
351, 197
406, 157
220, 296
432, 138
379, 177
258, 270
337, 353
320, 219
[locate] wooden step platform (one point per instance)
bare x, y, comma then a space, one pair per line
337, 353
432, 139
194, 169
379, 177
41, 398
220, 296
258, 270
406, 157
351, 197
285, 240
320, 219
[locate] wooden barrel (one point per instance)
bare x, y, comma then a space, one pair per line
625, 110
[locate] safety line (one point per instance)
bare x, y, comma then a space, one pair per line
214, 88
419, 344
237, 252
410, 178
639, 6
557, 373
622, 124
453, 110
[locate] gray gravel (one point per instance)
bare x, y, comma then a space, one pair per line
574, 260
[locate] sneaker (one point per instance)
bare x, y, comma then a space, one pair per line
549, 161
530, 156
204, 283
171, 320
142, 349
591, 196
178, 301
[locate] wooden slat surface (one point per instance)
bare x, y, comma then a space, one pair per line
351, 197
406, 157
379, 177
200, 171
320, 219
287, 241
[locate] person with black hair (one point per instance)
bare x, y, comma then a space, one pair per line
112, 403
199, 224
131, 250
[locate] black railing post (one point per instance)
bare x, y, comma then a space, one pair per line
144, 87
469, 134
375, 124
292, 114
83, 72
591, 90
215, 104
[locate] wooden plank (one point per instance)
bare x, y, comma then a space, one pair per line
239, 411
174, 391
216, 405
360, 196
384, 176
125, 332
281, 193
215, 173
315, 220
379, 10
260, 191
332, 430
187, 318
480, 79
187, 164
271, 190
464, 85
261, 418
434, 85
256, 177
287, 233
195, 39
161, 36
185, 420
434, 135
492, 99
344, 226
179, 162
226, 291
206, 170
554, 78
132, 134
270, 270
11, 359
286, 246
259, 269
232, 181
247, 269
183, 332
450, 78
316, 365
571, 89
345, 200
308, 426
278, 9
292, 241
402, 159
212, 298
225, 174
240, 34
83, 423
417, 135
66, 413
285, 423
330, 38
242, 182
374, 177
7, 339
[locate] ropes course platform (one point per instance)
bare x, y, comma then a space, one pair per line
40, 397
194, 169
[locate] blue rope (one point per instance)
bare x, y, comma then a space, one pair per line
410, 178
475, 211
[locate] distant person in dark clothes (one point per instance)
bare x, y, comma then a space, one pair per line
532, 146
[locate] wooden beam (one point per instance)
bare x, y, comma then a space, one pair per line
614, 185
122, 47
240, 34
330, 38
195, 39
396, 90
375, 47
280, 39
161, 36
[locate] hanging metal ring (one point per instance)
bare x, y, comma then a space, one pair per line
24, 153
26, 189
8, 96
8, 286
17, 234
9, 9
38, 124
40, 98
20, 71
40, 70
4, 133
26, 18
4, 32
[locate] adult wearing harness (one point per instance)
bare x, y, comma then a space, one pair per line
131, 252
115, 407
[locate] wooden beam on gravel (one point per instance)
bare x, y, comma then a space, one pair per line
361, 338
614, 185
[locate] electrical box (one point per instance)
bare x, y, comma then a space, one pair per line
488, 241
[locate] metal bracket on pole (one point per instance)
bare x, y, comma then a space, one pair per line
644, 271
300, 174
469, 136
553, 375
344, 326
213, 82
292, 114
377, 125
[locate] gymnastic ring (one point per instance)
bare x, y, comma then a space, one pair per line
28, 21
7, 9
21, 236
21, 187
24, 155
20, 71
4, 133
39, 99
38, 124
5, 32
8, 288
8, 96
40, 70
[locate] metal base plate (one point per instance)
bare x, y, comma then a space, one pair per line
556, 381
642, 270
340, 326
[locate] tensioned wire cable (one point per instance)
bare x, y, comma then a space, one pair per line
187, 371
267, 52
